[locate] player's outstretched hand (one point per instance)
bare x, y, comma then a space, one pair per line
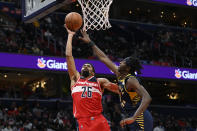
69, 31
126, 121
85, 37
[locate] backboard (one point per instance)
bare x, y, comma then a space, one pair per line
35, 9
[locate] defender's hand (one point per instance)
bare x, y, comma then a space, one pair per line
127, 121
85, 37
69, 31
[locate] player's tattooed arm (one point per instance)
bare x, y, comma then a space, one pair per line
106, 84
99, 53
73, 73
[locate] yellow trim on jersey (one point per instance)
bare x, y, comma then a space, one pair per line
140, 121
141, 115
125, 83
141, 125
132, 94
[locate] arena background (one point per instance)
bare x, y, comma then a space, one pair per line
161, 34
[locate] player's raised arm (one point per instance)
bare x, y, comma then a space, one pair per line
106, 84
100, 54
73, 73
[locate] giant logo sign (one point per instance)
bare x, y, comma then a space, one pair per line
60, 64
51, 64
192, 2
185, 74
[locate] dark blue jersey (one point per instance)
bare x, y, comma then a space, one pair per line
129, 100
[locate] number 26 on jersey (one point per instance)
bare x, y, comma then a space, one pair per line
88, 90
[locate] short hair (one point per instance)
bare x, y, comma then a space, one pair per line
134, 64
91, 66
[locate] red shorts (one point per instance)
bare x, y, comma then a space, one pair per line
95, 123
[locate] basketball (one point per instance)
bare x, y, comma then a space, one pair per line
73, 21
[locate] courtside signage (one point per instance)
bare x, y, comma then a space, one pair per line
46, 63
169, 72
59, 64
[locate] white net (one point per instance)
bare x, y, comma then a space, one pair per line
95, 14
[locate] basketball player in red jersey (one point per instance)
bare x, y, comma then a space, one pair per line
87, 92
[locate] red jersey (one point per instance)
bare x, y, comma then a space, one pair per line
87, 97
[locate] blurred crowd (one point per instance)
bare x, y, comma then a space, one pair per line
19, 38
153, 44
26, 92
173, 123
35, 118
38, 116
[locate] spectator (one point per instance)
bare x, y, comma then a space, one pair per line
160, 127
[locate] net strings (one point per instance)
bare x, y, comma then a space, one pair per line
95, 14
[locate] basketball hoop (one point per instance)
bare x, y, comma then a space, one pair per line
95, 14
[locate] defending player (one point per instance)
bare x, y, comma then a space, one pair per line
134, 98
87, 92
